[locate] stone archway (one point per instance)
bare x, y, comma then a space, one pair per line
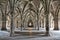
30, 23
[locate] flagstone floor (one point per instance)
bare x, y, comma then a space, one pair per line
54, 35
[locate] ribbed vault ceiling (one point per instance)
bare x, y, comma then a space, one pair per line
31, 5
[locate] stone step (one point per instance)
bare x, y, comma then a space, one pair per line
31, 33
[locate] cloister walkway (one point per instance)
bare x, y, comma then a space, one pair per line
54, 35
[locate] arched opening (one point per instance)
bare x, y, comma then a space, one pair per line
8, 22
30, 23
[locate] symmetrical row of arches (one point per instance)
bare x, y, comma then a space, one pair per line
40, 13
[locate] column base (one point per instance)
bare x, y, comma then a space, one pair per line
56, 29
3, 29
47, 33
11, 35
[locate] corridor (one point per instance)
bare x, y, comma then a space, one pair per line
29, 19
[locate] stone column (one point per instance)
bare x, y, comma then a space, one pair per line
21, 22
12, 26
43, 23
47, 3
47, 25
56, 18
56, 23
17, 23
12, 16
4, 17
3, 23
40, 23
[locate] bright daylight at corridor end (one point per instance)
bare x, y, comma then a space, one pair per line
29, 19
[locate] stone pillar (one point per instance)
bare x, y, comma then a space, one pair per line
35, 24
47, 3
21, 22
17, 23
12, 16
40, 24
47, 25
12, 26
43, 23
56, 23
3, 23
